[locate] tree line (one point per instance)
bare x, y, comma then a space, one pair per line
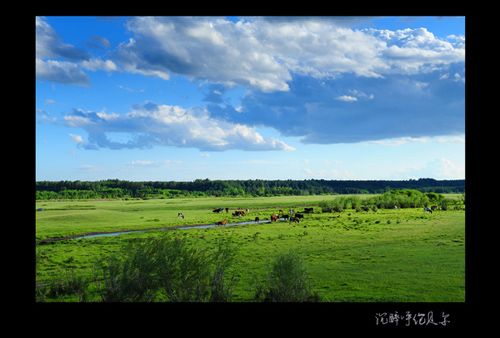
115, 188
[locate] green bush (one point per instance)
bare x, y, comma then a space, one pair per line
286, 282
169, 267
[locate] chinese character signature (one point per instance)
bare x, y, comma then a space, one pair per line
408, 319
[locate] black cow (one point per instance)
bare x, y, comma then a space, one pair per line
218, 210
426, 209
285, 217
294, 219
297, 215
308, 210
257, 219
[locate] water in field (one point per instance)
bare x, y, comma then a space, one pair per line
203, 226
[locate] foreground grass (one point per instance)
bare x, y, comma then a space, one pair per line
389, 255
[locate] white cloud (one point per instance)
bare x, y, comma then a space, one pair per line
143, 163
61, 72
347, 98
49, 45
450, 139
263, 54
98, 64
152, 124
77, 139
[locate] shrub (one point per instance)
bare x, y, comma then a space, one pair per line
286, 282
183, 273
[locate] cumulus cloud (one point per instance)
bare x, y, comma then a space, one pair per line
151, 125
49, 45
60, 62
264, 53
60, 72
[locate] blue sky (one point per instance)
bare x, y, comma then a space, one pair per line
181, 98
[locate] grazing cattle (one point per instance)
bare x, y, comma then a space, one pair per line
257, 219
218, 210
223, 222
434, 207
239, 213
308, 210
285, 217
426, 209
274, 218
297, 215
180, 215
294, 219
227, 210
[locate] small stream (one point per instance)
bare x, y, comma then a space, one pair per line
180, 227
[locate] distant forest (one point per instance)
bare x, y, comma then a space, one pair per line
127, 189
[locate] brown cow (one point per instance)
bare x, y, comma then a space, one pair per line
274, 218
223, 222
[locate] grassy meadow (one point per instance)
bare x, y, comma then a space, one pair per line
391, 255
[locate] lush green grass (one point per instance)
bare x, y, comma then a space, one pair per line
388, 255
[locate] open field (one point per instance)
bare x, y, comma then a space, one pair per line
388, 255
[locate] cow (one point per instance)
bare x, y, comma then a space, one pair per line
294, 219
308, 210
257, 219
223, 222
180, 215
227, 210
297, 215
239, 213
434, 207
274, 218
285, 217
218, 210
426, 209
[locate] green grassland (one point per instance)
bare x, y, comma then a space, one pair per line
402, 255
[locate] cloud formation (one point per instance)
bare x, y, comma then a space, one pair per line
374, 109
264, 54
60, 62
162, 125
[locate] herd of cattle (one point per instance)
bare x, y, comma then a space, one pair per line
290, 216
